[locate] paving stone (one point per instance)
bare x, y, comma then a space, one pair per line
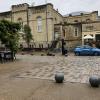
75, 68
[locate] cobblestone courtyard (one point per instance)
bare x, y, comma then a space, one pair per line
32, 78
75, 68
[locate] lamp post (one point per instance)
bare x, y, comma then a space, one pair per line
63, 48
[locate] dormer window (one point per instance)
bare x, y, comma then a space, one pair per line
70, 14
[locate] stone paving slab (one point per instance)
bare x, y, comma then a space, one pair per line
37, 89
32, 78
75, 69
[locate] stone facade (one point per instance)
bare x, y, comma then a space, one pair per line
47, 24
81, 17
41, 20
92, 29
72, 28
75, 27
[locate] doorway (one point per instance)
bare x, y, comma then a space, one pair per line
97, 38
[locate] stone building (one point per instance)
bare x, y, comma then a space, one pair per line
80, 24
41, 20
47, 25
91, 30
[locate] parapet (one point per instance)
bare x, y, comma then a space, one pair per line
20, 7
95, 12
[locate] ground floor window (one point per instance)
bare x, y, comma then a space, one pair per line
88, 42
93, 42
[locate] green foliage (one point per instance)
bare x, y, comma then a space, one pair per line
9, 34
28, 35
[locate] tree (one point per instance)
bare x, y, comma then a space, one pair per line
9, 34
28, 36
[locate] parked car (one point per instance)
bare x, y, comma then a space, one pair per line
86, 50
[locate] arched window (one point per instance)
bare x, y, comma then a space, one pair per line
20, 21
39, 24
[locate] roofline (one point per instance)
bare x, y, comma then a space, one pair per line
5, 12
98, 21
77, 23
80, 14
58, 12
45, 6
41, 5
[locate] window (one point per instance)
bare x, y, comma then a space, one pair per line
76, 32
76, 21
20, 21
88, 20
39, 24
55, 20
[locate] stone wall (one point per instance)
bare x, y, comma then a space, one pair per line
25, 14
92, 16
91, 26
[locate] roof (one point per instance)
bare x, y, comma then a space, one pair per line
44, 5
5, 13
77, 13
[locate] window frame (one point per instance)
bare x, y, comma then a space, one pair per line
76, 32
39, 24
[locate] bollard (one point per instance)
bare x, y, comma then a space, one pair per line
59, 77
94, 81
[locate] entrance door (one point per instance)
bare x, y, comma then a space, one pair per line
97, 40
97, 37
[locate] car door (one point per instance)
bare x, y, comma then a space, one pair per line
86, 50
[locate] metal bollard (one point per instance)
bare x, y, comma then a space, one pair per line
59, 77
94, 81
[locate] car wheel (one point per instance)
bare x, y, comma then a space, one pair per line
77, 53
96, 54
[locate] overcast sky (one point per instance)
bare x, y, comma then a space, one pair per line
64, 6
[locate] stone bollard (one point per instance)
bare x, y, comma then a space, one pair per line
94, 81
59, 77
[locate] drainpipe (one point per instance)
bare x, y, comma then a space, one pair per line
46, 22
27, 16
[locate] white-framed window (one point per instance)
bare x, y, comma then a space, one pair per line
39, 24
76, 32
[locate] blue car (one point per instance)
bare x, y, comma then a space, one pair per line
86, 50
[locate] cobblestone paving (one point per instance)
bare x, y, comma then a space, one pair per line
75, 68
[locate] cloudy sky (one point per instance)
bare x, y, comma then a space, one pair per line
64, 6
